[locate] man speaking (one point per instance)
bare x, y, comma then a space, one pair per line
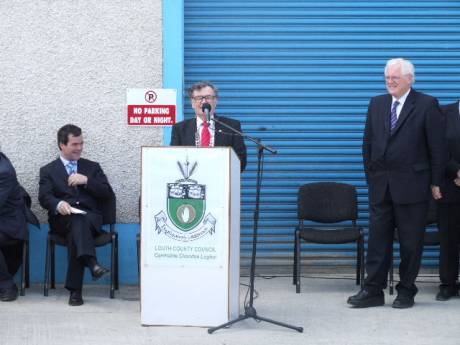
207, 129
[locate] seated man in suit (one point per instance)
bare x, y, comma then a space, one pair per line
201, 131
12, 227
70, 183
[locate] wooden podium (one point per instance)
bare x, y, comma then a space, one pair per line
190, 231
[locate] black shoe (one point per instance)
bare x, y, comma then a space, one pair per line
445, 293
366, 299
9, 294
403, 302
75, 298
97, 271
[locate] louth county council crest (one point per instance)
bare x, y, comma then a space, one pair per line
186, 207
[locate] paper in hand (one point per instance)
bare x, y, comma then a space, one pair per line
77, 211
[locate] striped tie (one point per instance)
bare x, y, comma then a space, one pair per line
71, 167
394, 116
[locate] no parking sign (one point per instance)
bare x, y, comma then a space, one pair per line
151, 107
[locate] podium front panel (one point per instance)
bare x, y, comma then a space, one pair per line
189, 236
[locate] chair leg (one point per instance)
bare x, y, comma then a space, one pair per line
27, 266
358, 262
47, 268
297, 254
361, 259
113, 265
138, 245
294, 264
390, 274
53, 264
22, 290
117, 265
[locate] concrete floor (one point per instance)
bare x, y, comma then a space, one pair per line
321, 309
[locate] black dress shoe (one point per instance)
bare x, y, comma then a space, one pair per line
365, 299
75, 298
445, 293
9, 294
97, 271
403, 302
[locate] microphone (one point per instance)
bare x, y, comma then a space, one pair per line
206, 108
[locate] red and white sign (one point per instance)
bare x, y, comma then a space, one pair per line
151, 107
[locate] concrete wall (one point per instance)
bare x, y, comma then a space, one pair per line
71, 62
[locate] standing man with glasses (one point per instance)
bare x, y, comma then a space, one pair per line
203, 132
70, 184
404, 157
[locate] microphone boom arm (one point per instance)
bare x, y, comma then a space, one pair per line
256, 141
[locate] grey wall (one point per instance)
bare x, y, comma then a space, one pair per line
71, 62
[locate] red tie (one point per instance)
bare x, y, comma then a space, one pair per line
205, 135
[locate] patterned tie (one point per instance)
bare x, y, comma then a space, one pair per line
205, 135
394, 116
71, 167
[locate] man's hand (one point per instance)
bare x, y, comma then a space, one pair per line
64, 208
77, 179
436, 192
457, 181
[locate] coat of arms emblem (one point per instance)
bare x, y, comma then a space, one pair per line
186, 208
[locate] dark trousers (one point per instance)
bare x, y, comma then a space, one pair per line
79, 231
449, 229
410, 221
10, 259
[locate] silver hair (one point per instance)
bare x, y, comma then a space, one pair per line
407, 68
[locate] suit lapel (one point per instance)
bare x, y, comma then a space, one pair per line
386, 113
60, 170
455, 118
406, 110
61, 175
218, 136
190, 132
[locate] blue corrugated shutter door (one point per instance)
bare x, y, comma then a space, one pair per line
299, 75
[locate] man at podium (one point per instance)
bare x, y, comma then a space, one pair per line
207, 129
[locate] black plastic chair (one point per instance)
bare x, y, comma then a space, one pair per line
430, 238
108, 208
327, 203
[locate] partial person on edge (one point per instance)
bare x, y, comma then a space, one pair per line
13, 227
449, 209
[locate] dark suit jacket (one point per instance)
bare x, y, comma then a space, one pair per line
54, 188
183, 134
411, 158
12, 217
450, 191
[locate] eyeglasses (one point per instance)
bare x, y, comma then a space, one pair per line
201, 98
396, 79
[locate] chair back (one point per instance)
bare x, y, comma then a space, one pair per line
327, 202
108, 208
31, 218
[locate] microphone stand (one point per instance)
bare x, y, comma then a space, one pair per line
250, 310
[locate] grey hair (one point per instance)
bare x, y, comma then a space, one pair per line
407, 68
200, 85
